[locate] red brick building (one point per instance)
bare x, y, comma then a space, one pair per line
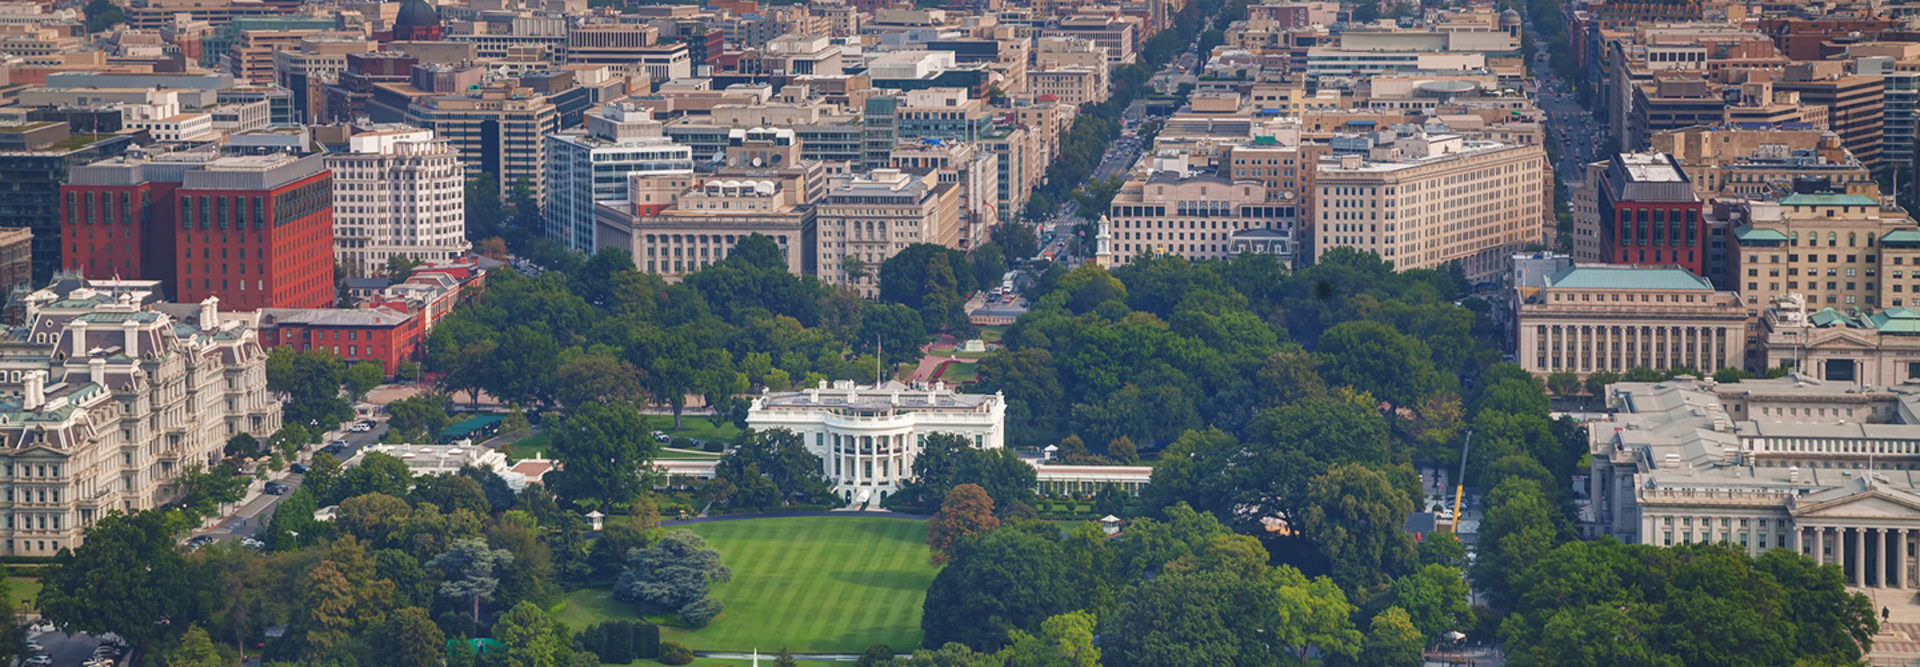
256, 231
378, 334
1649, 214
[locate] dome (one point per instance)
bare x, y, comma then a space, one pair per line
1509, 17
416, 13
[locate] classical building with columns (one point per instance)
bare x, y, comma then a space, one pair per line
1616, 318
1829, 469
1880, 348
867, 436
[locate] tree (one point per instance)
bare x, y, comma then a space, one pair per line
515, 424
1122, 451
603, 450
1435, 599
877, 655
1564, 383
769, 468
530, 638
242, 445
1375, 358
855, 268
1443, 548
1356, 517
1066, 640
967, 510
377, 473
1393, 641
127, 578
470, 567
673, 574
987, 264
363, 377
202, 490
896, 330
486, 218
410, 639
599, 379
103, 14
419, 418
1016, 240
1517, 532
997, 581
195, 650
948, 460
310, 380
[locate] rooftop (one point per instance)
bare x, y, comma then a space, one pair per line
1588, 277
1828, 200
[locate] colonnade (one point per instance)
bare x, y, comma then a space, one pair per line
1870, 557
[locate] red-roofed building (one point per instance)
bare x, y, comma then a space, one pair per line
388, 326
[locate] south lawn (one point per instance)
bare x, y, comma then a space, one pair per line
815, 584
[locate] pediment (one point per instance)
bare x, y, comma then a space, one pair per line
1872, 503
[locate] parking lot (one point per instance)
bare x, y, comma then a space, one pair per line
64, 650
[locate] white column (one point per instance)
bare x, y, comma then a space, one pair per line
1880, 548
1859, 557
1840, 549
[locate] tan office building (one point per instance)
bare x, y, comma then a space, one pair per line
704, 224
1196, 217
1591, 318
870, 217
1424, 201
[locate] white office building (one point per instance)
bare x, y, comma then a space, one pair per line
397, 191
593, 165
867, 437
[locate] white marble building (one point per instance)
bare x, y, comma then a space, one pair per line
1829, 469
867, 436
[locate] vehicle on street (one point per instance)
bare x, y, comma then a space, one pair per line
34, 646
661, 437
361, 427
276, 489
198, 541
249, 543
39, 659
298, 468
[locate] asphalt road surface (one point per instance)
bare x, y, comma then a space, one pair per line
254, 515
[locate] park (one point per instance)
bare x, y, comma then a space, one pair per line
815, 584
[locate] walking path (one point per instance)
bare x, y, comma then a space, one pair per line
878, 514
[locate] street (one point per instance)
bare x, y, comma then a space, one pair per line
1579, 133
254, 513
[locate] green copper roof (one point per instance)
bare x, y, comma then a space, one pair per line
1903, 236
1581, 277
1747, 234
1897, 320
1828, 200
1828, 317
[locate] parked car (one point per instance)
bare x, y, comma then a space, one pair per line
249, 543
661, 437
39, 659
198, 541
361, 427
277, 489
298, 468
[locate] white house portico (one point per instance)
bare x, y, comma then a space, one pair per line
867, 437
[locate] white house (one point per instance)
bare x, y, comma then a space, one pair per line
867, 437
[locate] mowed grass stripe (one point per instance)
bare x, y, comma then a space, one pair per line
816, 584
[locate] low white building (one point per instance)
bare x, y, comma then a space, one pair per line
867, 437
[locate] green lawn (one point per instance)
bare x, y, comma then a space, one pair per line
531, 445
957, 373
695, 427
813, 584
956, 352
683, 455
21, 589
992, 334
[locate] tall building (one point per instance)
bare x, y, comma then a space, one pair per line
1424, 201
868, 218
592, 165
1614, 318
112, 398
867, 437
498, 131
1834, 249
1196, 217
1646, 213
704, 224
34, 160
1855, 104
398, 191
256, 230
634, 48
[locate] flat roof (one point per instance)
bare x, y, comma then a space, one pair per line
1828, 200
1585, 277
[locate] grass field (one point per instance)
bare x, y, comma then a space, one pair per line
696, 427
992, 334
814, 584
957, 373
685, 455
21, 589
527, 447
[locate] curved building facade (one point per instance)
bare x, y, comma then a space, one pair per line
867, 437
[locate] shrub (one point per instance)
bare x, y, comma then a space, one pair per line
715, 446
672, 653
620, 642
682, 442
